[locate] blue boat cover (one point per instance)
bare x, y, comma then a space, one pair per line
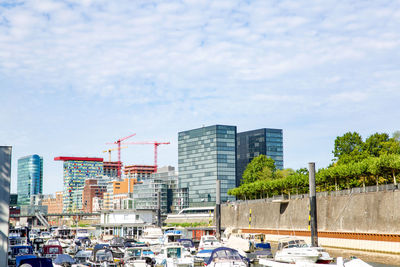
18, 259
38, 262
225, 253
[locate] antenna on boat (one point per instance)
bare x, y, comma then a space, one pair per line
313, 204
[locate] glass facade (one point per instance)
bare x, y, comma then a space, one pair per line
145, 195
30, 178
251, 144
75, 174
165, 181
206, 155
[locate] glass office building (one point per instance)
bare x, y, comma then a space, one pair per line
30, 178
253, 143
206, 155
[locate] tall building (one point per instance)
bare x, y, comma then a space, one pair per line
206, 155
253, 143
165, 182
30, 178
76, 171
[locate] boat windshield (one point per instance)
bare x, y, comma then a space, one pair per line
104, 255
53, 250
23, 251
227, 255
173, 252
134, 252
186, 243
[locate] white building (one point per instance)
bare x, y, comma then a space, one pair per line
126, 222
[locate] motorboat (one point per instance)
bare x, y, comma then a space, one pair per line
83, 256
292, 249
174, 255
209, 242
82, 233
202, 257
188, 245
63, 260
263, 250
35, 262
102, 257
21, 258
52, 242
18, 250
15, 239
51, 251
172, 236
45, 236
138, 257
151, 236
340, 262
226, 257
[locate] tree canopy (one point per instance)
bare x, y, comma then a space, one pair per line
356, 164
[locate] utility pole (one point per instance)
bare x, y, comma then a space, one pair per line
159, 209
313, 204
218, 210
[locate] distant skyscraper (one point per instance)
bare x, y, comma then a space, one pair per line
206, 155
76, 171
253, 143
30, 178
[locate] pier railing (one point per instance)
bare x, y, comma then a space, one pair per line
354, 190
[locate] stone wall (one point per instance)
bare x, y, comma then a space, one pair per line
375, 212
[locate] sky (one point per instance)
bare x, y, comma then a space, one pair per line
77, 74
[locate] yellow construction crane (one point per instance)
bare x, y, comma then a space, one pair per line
112, 149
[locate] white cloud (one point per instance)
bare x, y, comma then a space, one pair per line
182, 64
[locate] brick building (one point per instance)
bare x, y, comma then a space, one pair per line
91, 189
54, 204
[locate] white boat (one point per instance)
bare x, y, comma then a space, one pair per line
339, 263
138, 257
172, 236
209, 242
225, 257
151, 236
82, 233
293, 249
174, 255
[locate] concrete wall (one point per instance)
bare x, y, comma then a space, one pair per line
377, 212
5, 177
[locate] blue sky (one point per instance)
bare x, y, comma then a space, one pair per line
77, 74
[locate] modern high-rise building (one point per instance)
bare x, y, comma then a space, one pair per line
76, 171
206, 155
165, 182
253, 143
30, 178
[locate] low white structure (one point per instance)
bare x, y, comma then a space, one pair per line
126, 222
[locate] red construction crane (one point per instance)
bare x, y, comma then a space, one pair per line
155, 143
118, 142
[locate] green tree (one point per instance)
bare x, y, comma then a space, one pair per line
396, 136
375, 143
258, 168
348, 147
